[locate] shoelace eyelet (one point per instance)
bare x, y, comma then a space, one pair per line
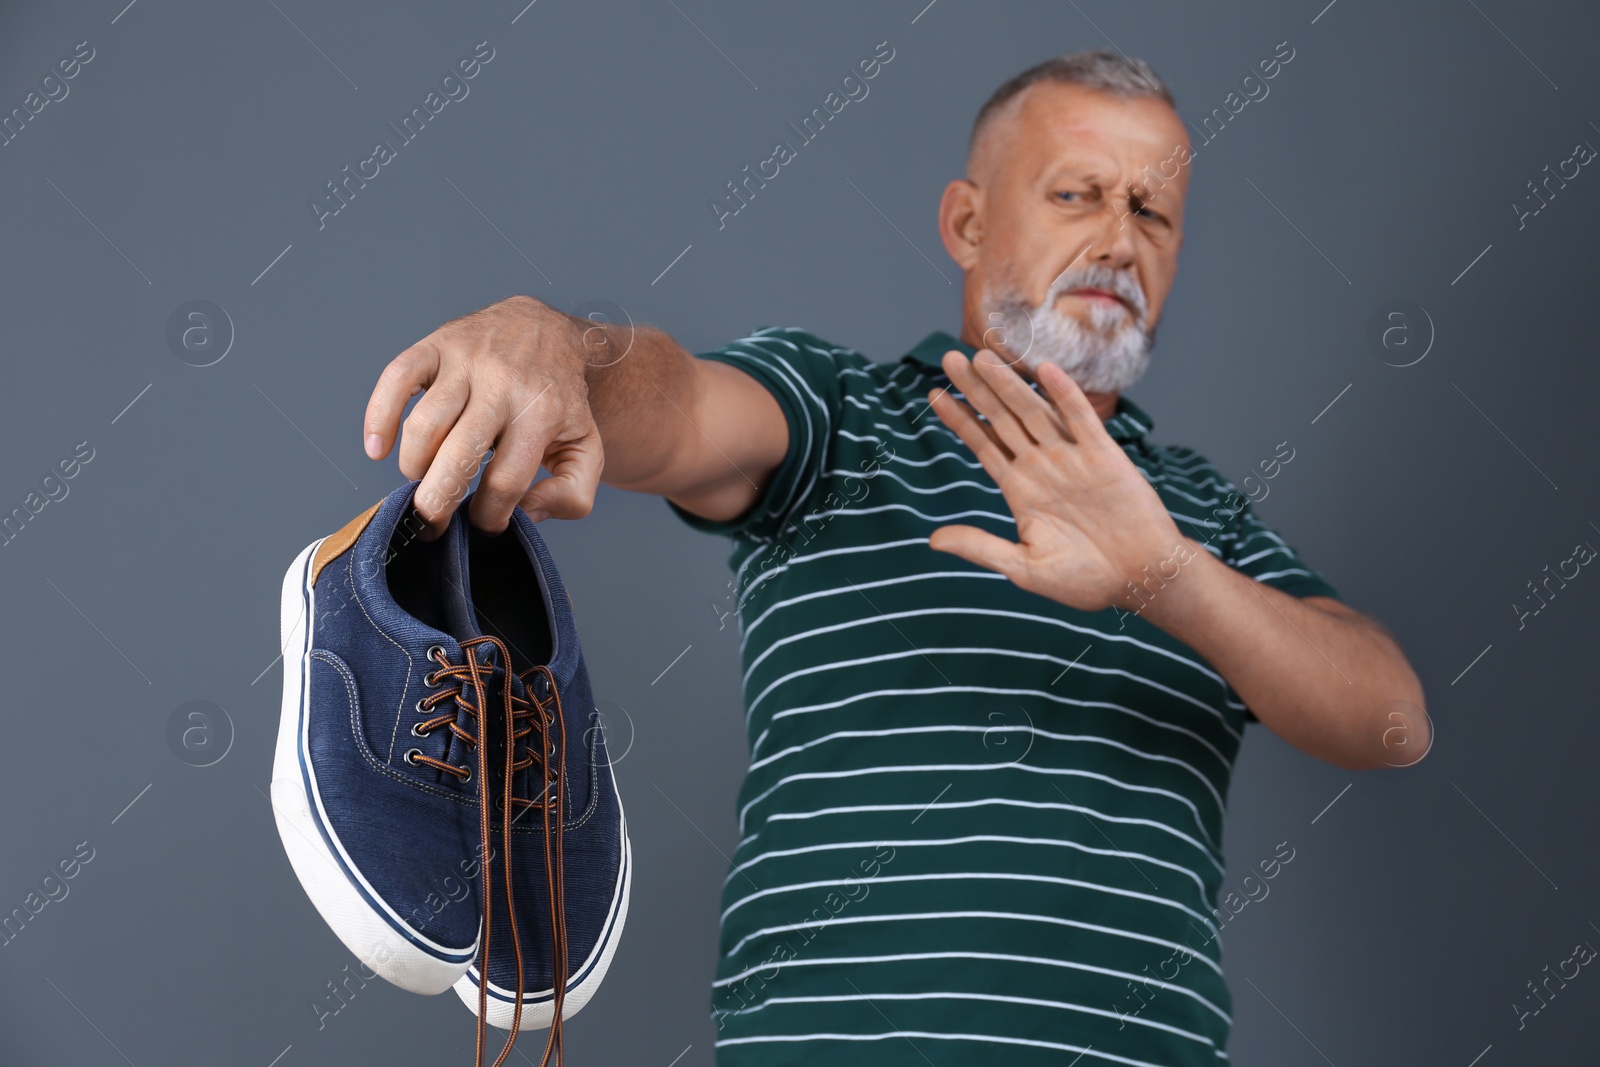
411, 758
417, 730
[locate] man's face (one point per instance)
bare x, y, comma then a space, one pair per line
1068, 229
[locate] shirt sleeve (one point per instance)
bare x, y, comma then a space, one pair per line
1253, 548
801, 371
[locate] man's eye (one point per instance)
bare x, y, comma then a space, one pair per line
1067, 194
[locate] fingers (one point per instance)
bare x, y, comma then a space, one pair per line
1032, 410
507, 477
978, 435
981, 396
410, 371
980, 547
450, 474
477, 375
1018, 414
1076, 413
574, 478
572, 456
430, 423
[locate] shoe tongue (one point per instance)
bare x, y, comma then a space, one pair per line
460, 617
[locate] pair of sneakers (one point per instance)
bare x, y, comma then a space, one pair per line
441, 783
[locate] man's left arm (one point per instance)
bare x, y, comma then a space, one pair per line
1325, 678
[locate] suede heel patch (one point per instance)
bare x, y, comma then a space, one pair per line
340, 542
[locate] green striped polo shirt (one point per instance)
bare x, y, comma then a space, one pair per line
978, 826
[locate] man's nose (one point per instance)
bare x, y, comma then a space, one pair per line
1113, 239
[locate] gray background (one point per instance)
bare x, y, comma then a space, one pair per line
1384, 160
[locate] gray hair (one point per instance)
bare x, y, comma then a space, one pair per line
1105, 72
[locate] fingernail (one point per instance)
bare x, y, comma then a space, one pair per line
374, 446
538, 515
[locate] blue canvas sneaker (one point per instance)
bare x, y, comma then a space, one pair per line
563, 853
375, 782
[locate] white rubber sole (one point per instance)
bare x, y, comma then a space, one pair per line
538, 1006
378, 936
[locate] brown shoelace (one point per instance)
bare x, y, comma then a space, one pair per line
472, 694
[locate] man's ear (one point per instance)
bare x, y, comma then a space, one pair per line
961, 221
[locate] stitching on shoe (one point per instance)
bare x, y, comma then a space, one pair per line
332, 659
594, 792
355, 593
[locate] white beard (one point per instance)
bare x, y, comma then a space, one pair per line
1105, 357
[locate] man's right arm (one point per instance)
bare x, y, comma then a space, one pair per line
587, 401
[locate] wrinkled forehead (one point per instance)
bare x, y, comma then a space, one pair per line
1053, 130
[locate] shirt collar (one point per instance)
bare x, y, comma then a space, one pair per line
1128, 424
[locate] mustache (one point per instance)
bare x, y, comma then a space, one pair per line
1120, 283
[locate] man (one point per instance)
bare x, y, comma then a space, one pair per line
999, 648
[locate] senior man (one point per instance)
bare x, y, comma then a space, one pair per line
999, 648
